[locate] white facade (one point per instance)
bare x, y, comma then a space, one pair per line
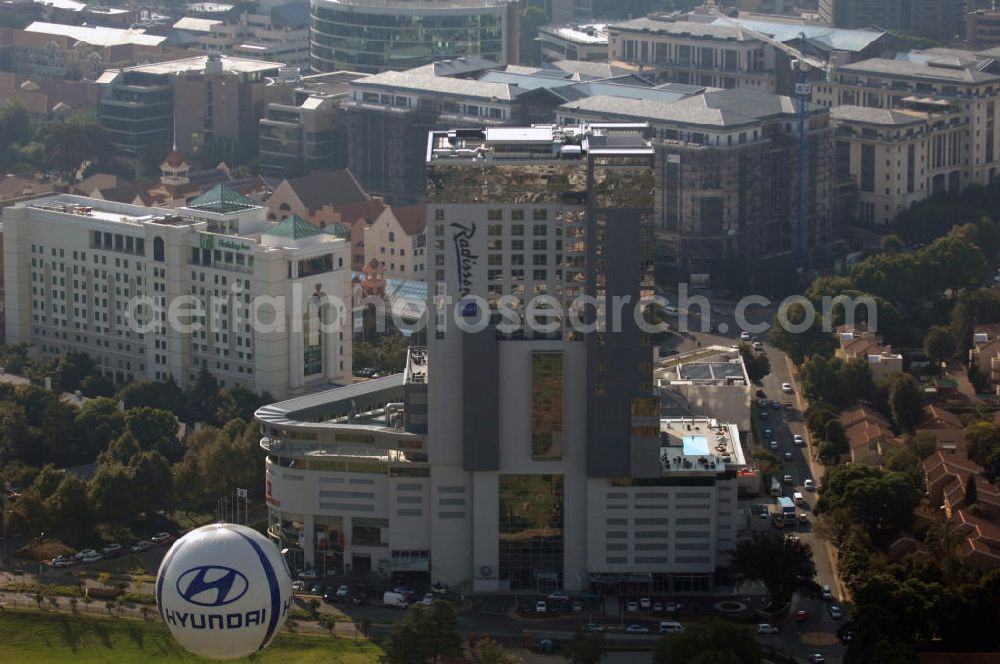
73, 266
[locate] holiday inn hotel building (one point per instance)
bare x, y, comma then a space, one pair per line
75, 268
515, 457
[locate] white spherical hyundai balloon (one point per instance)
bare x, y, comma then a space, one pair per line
223, 591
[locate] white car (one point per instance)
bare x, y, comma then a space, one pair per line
786, 388
161, 538
298, 586
817, 658
92, 557
559, 597
788, 456
112, 550
798, 439
140, 546
788, 479
744, 336
809, 485
428, 599
670, 309
637, 629
540, 607
803, 517
343, 591
773, 444
766, 628
85, 553
645, 604
670, 607
632, 607
827, 594
61, 561
835, 612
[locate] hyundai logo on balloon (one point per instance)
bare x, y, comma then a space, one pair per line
212, 585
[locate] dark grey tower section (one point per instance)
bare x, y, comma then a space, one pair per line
480, 400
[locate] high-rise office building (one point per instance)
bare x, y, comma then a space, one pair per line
935, 19
532, 455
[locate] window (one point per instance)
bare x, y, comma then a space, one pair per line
158, 250
546, 405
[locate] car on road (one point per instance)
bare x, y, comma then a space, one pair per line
817, 658
671, 627
670, 309
428, 599
541, 607
845, 635
809, 485
798, 439
766, 628
140, 546
826, 594
775, 404
80, 555
645, 603
637, 629
788, 456
558, 596
788, 479
670, 607
773, 444
161, 538
632, 607
112, 550
768, 433
787, 388
343, 591
62, 561
91, 557
764, 414
835, 612
593, 628
789, 405
298, 586
803, 517
801, 615
658, 607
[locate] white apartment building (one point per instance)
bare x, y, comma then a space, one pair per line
74, 266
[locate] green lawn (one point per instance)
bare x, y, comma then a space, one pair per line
27, 636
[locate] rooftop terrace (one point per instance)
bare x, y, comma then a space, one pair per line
693, 444
548, 142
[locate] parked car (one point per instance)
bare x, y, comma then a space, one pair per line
317, 589
637, 629
632, 607
801, 615
826, 594
112, 550
558, 596
394, 600
343, 591
540, 607
787, 388
298, 586
766, 628
140, 546
645, 604
91, 557
798, 439
593, 628
808, 485
658, 607
670, 607
80, 555
308, 574
161, 538
577, 606
62, 561
744, 336
775, 404
428, 599
835, 612
671, 627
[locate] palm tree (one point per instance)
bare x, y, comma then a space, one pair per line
87, 600
73, 602
110, 606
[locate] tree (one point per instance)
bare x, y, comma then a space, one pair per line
165, 395
153, 480
983, 440
813, 341
758, 365
488, 651
69, 507
906, 402
71, 369
586, 647
155, 429
892, 244
767, 461
836, 439
424, 635
112, 494
905, 460
783, 565
98, 422
891, 617
816, 415
940, 345
69, 143
203, 401
882, 502
712, 642
121, 450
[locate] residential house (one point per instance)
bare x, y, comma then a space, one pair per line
316, 197
945, 427
946, 477
985, 352
396, 239
868, 347
869, 435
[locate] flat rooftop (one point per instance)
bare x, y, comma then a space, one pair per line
197, 64
96, 36
549, 142
593, 34
691, 444
96, 208
713, 365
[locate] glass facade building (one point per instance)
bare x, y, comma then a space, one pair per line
373, 36
531, 531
